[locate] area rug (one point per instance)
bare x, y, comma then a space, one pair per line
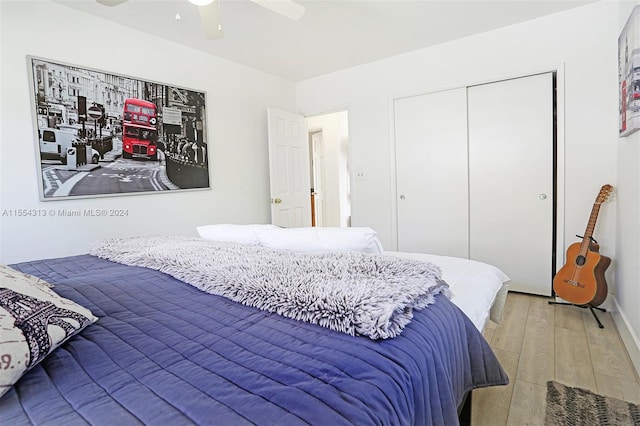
575, 406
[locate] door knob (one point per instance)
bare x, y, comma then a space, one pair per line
276, 200
542, 196
402, 197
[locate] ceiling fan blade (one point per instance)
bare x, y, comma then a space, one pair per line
287, 8
111, 2
210, 16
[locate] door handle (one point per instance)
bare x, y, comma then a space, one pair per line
276, 201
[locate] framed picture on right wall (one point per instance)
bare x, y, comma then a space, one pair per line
629, 74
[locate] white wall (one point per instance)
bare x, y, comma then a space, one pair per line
627, 313
582, 44
590, 69
237, 98
335, 135
344, 179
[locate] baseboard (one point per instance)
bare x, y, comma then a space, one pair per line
630, 340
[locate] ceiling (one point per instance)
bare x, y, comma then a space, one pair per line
332, 35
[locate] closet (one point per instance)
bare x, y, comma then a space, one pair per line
475, 176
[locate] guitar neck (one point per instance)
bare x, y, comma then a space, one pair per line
586, 240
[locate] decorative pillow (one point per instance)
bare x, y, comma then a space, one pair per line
360, 239
242, 234
8, 271
34, 320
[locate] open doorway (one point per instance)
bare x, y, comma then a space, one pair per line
329, 161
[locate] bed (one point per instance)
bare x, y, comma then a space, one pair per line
164, 352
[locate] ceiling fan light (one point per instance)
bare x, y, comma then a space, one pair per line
201, 2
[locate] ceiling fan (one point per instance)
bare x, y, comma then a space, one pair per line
210, 12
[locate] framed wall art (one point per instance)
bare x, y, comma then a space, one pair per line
103, 134
629, 74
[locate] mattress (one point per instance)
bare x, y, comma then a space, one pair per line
479, 289
164, 352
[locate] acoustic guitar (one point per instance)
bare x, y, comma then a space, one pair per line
581, 280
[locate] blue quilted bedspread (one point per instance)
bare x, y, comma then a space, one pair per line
165, 353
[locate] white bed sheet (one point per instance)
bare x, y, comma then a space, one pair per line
476, 286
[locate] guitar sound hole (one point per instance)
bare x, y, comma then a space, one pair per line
580, 260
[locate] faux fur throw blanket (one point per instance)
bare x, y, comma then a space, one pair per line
354, 293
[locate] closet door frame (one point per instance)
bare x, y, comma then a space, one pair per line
560, 150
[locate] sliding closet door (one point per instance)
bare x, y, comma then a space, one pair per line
511, 148
431, 170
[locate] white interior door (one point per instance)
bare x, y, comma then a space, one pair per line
431, 170
289, 169
511, 179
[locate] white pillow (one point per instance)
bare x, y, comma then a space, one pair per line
242, 234
359, 239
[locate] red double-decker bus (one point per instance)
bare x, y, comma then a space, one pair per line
139, 129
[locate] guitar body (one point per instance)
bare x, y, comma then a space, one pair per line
582, 283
